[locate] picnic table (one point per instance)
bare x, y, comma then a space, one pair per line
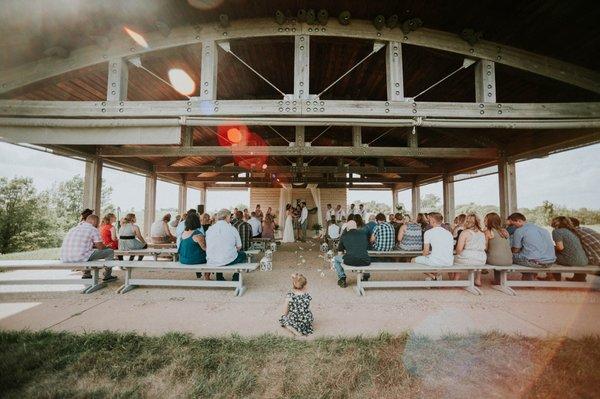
395, 254
163, 245
154, 252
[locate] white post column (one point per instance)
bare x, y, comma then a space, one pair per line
202, 197
208, 73
394, 72
448, 194
394, 200
485, 82
416, 201
92, 185
301, 66
150, 203
182, 198
507, 181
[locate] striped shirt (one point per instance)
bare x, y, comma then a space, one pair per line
590, 240
78, 244
384, 237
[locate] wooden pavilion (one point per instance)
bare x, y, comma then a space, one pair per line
377, 95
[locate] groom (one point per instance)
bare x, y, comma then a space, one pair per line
303, 220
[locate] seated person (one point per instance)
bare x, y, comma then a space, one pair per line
470, 248
244, 229
333, 230
532, 245
354, 242
130, 236
569, 251
84, 244
438, 244
590, 239
192, 248
223, 244
345, 225
159, 231
383, 238
181, 226
410, 237
256, 225
268, 226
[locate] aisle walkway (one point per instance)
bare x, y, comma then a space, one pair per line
337, 311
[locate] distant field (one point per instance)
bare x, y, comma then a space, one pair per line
46, 253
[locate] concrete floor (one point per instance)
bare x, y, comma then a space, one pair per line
210, 312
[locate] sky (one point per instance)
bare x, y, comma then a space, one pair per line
570, 178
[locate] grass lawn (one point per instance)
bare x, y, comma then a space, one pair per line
99, 365
45, 253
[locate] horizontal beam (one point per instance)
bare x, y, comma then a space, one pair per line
282, 151
302, 179
123, 47
322, 112
299, 169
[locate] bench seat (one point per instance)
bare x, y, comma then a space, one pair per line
506, 284
154, 252
131, 283
406, 267
91, 285
395, 254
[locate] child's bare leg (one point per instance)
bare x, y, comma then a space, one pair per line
478, 278
207, 276
292, 330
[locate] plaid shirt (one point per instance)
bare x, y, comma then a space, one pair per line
78, 245
590, 240
385, 239
245, 231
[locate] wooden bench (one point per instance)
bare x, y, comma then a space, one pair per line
506, 284
153, 252
162, 245
131, 283
91, 285
395, 254
404, 267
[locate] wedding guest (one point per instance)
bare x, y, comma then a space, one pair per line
498, 244
297, 317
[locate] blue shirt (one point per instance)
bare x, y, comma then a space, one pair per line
369, 227
535, 243
190, 253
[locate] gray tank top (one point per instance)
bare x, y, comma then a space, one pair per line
499, 252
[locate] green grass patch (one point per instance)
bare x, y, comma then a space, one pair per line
39, 254
103, 365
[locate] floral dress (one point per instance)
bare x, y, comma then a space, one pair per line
299, 316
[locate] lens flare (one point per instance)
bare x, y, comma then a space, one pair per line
234, 135
264, 166
182, 82
139, 39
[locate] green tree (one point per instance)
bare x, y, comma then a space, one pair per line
431, 203
25, 223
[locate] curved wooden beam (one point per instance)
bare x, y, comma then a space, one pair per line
84, 57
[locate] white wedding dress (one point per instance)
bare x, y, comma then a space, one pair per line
288, 229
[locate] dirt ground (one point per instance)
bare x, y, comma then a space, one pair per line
338, 312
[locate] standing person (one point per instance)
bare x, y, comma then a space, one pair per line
270, 213
361, 211
223, 244
329, 213
438, 245
258, 213
410, 237
297, 317
244, 230
590, 240
181, 227
532, 245
268, 227
355, 244
130, 236
569, 251
256, 224
304, 220
205, 220
192, 249
351, 210
288, 228
383, 238
84, 244
498, 244
470, 249
159, 231
340, 215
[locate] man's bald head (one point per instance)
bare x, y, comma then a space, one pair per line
93, 220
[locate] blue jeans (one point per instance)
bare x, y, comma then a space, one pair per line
241, 258
337, 264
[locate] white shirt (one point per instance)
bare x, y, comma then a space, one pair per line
333, 231
360, 212
256, 226
303, 215
179, 231
351, 211
222, 240
339, 215
442, 246
157, 229
329, 214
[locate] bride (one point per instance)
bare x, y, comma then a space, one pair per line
288, 229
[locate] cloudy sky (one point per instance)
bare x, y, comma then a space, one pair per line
570, 178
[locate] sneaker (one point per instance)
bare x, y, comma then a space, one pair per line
342, 283
109, 278
220, 277
236, 277
86, 276
366, 276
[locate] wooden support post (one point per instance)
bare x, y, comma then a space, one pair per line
182, 198
300, 138
356, 136
448, 200
394, 200
187, 136
208, 72
394, 73
413, 138
416, 201
507, 181
118, 74
301, 66
150, 203
92, 185
202, 199
485, 82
